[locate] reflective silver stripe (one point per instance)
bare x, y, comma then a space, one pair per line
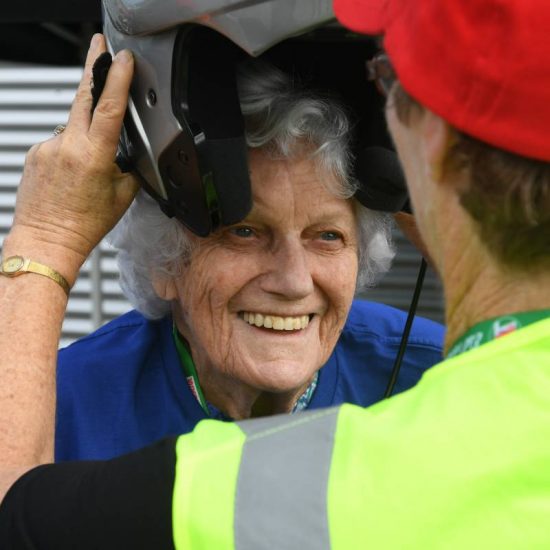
281, 499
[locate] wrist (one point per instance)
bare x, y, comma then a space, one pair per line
28, 244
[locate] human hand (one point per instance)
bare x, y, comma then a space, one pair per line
72, 193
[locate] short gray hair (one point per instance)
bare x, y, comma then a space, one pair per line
286, 121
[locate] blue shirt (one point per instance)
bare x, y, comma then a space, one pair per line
123, 387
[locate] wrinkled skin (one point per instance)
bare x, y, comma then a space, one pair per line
70, 195
295, 254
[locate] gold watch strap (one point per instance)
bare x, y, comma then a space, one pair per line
17, 265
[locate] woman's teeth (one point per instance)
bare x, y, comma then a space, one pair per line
276, 323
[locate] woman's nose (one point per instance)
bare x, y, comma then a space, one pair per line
289, 272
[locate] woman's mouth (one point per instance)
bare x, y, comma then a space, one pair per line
276, 322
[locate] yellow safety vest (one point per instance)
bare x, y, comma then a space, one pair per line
461, 461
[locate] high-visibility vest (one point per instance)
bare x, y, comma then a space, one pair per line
462, 461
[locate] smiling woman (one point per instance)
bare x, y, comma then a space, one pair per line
290, 265
254, 319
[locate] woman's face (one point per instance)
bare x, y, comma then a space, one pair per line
264, 301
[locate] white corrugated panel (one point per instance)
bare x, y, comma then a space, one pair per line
33, 100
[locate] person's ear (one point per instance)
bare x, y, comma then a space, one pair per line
437, 138
164, 286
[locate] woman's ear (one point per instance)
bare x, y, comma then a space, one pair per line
437, 138
164, 286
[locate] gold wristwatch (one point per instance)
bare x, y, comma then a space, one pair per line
17, 265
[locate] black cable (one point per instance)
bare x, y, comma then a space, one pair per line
408, 324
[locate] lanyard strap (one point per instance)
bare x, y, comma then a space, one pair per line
495, 328
193, 378
189, 369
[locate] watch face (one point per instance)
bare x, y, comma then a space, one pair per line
13, 264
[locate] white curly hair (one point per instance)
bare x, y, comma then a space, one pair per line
286, 121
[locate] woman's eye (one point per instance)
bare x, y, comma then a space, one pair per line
243, 232
330, 236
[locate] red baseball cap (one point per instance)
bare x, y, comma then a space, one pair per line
482, 65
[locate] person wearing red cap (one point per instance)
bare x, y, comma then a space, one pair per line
463, 459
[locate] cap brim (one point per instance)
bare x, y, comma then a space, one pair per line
363, 16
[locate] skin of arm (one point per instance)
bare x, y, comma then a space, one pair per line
71, 194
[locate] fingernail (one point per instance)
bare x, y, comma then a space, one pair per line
95, 41
124, 56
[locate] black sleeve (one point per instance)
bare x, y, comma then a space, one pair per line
121, 503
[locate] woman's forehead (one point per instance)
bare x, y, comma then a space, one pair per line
297, 187
296, 175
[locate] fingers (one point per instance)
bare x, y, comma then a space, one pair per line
79, 118
126, 186
107, 119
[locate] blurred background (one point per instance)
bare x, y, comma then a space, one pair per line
42, 46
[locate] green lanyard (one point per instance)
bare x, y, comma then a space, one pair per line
495, 328
190, 370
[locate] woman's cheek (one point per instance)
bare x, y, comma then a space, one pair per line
340, 282
210, 297
340, 275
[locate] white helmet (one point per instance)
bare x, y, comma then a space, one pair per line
184, 131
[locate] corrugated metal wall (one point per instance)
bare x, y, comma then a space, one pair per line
33, 100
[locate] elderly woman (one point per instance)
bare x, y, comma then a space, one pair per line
459, 461
257, 318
